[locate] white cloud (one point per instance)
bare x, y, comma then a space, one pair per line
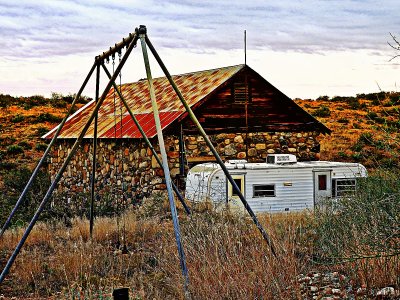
55, 39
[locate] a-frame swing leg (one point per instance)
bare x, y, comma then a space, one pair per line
142, 34
65, 164
93, 177
211, 147
147, 141
46, 152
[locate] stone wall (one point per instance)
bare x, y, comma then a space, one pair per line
128, 167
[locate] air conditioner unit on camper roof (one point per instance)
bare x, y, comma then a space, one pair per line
281, 159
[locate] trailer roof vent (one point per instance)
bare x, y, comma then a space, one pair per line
281, 159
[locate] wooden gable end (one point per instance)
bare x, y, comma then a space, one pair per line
247, 102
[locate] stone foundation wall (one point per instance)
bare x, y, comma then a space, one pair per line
128, 167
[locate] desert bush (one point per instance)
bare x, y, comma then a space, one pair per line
17, 119
36, 100
25, 145
322, 112
40, 131
14, 182
354, 103
6, 100
15, 149
323, 98
40, 147
363, 229
47, 117
343, 121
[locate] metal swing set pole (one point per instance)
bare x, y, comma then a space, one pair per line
211, 147
147, 141
93, 178
46, 152
142, 36
65, 164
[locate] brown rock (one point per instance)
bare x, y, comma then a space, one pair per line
238, 139
252, 152
241, 155
260, 146
173, 154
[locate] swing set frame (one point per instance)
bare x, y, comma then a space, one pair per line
129, 43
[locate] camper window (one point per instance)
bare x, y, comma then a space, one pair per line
322, 182
264, 190
238, 182
342, 187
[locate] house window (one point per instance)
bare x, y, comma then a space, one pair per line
240, 93
239, 180
322, 182
264, 190
342, 187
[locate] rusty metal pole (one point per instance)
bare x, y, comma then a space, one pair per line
147, 141
142, 35
46, 152
93, 178
211, 146
64, 166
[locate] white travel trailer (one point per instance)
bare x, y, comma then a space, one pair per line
280, 184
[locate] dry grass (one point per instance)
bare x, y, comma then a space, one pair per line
226, 257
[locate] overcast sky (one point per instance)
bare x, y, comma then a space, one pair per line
304, 48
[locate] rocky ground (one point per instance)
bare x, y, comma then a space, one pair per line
335, 286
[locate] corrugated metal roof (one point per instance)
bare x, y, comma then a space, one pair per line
193, 86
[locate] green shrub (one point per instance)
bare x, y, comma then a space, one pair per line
40, 147
322, 112
17, 118
354, 103
36, 100
40, 131
25, 145
7, 100
47, 117
365, 224
15, 149
324, 98
14, 182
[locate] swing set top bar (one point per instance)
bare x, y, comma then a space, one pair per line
121, 45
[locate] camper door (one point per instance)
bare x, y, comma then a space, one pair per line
322, 185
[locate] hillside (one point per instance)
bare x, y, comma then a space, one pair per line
23, 120
364, 128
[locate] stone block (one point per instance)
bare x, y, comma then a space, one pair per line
241, 155
261, 146
238, 139
252, 152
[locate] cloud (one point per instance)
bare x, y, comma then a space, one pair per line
54, 28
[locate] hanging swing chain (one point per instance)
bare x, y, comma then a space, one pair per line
122, 156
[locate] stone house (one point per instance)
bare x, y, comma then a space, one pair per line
245, 116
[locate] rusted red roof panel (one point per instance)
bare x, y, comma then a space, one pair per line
193, 86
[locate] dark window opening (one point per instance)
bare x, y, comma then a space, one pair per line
238, 182
322, 182
264, 190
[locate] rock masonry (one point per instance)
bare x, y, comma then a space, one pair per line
128, 166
